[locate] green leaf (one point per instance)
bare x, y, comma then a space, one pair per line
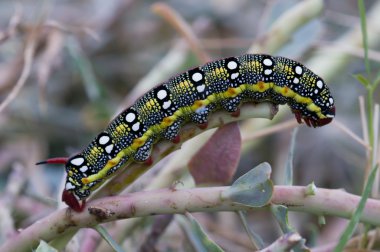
197, 236
281, 214
45, 247
253, 189
362, 80
92, 86
363, 24
289, 163
376, 82
301, 247
106, 236
358, 212
255, 238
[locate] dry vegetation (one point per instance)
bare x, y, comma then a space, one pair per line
67, 67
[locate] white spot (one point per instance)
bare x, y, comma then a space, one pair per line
296, 80
299, 70
197, 77
232, 65
109, 148
166, 104
316, 91
77, 161
84, 168
130, 117
69, 186
320, 84
327, 104
268, 62
234, 76
329, 116
268, 71
104, 140
201, 88
136, 126
162, 94
331, 100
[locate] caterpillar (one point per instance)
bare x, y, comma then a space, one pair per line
190, 97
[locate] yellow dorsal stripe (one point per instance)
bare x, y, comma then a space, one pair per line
167, 121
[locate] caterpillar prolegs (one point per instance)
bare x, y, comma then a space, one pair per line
190, 97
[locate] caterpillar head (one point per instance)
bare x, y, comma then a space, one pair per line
329, 116
319, 108
309, 97
314, 121
75, 191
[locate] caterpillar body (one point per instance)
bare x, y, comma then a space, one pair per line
190, 97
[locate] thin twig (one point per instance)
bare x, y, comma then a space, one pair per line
75, 30
375, 188
349, 132
349, 49
290, 124
176, 20
285, 25
13, 23
49, 57
363, 119
207, 199
340, 18
28, 59
223, 43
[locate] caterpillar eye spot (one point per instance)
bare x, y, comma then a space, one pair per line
298, 70
234, 76
166, 104
201, 88
197, 77
77, 161
130, 117
162, 94
136, 126
232, 65
109, 148
268, 71
191, 97
268, 62
103, 140
320, 84
83, 168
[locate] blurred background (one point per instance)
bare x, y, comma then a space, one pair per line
68, 67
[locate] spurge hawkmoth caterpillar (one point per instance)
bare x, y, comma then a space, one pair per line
192, 96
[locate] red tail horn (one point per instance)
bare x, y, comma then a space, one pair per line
57, 160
